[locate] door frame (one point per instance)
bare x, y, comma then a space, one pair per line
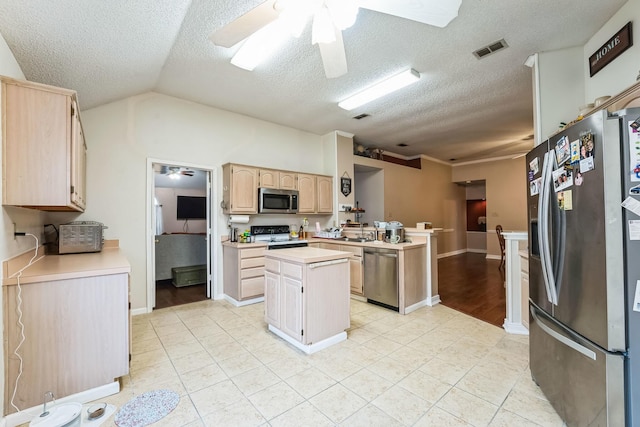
212, 250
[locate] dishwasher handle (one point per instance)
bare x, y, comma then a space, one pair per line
389, 253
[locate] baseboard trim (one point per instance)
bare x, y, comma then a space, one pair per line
515, 328
477, 251
310, 348
416, 306
26, 415
434, 300
448, 254
237, 303
139, 311
493, 257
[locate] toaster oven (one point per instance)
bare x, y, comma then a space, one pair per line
80, 237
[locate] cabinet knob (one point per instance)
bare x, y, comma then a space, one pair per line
157, 241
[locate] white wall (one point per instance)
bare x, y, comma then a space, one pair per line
561, 88
370, 194
168, 198
122, 135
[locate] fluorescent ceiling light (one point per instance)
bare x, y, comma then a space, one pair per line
380, 89
260, 45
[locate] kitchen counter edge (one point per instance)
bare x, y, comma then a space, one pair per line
110, 260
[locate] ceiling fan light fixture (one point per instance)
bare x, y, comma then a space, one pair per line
295, 15
260, 45
322, 30
343, 12
380, 89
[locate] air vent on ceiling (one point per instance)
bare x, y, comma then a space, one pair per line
361, 116
491, 48
402, 144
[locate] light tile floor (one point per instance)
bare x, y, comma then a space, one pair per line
433, 367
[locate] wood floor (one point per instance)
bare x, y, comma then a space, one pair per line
168, 295
474, 285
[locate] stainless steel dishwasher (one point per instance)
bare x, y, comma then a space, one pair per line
381, 277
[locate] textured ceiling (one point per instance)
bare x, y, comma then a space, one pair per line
462, 108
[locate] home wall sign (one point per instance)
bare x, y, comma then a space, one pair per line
345, 185
609, 51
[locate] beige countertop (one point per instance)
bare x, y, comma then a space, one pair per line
60, 267
244, 245
306, 255
372, 244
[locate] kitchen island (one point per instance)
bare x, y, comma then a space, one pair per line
307, 296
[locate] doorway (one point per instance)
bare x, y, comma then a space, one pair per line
180, 259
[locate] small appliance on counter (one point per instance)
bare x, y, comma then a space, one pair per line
80, 237
394, 232
276, 236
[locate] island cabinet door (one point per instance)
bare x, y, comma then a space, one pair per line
272, 298
291, 302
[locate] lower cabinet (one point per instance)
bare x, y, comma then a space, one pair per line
243, 271
76, 337
355, 263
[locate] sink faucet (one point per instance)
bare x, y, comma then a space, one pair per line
361, 230
44, 409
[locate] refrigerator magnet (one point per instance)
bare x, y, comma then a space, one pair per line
575, 151
587, 152
635, 191
563, 152
534, 165
632, 205
578, 180
634, 229
565, 200
562, 178
534, 186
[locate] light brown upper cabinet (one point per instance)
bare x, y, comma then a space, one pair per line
325, 194
278, 179
307, 193
239, 189
288, 180
44, 151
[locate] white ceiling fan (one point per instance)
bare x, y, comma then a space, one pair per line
173, 172
266, 26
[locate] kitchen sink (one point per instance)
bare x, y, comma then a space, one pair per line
356, 239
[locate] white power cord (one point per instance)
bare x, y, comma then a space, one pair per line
19, 311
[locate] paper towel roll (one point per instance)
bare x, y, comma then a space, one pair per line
239, 219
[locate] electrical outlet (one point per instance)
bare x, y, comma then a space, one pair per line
345, 207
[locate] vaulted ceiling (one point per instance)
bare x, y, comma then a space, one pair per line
463, 108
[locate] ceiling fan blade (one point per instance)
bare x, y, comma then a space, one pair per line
433, 12
334, 58
241, 28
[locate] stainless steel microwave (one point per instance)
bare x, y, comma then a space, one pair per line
271, 200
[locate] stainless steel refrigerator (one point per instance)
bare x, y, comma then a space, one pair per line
584, 268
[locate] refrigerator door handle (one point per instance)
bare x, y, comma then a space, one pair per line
559, 337
543, 228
